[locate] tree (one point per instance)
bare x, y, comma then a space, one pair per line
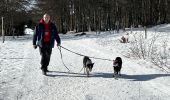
15, 15
84, 15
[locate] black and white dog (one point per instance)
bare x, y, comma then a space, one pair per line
117, 65
87, 65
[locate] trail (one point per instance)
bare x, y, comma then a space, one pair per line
137, 82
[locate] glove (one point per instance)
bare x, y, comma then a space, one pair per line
58, 44
35, 46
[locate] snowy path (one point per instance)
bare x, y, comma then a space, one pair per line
138, 82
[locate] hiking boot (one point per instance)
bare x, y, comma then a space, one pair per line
44, 72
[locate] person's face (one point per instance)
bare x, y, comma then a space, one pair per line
46, 18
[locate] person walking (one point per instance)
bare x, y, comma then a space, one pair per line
44, 37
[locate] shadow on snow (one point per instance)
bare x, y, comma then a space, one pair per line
145, 77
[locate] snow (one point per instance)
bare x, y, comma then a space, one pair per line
28, 31
22, 79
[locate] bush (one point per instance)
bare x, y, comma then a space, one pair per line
151, 49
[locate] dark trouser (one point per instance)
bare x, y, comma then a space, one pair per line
45, 53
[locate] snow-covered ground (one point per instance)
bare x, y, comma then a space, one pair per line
22, 79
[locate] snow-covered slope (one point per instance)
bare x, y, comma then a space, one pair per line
22, 79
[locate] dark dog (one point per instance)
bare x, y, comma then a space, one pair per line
87, 65
117, 65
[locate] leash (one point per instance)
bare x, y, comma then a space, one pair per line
59, 47
81, 69
62, 59
84, 55
77, 54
